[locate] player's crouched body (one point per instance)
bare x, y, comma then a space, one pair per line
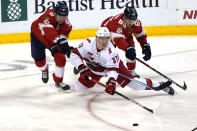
51, 31
102, 59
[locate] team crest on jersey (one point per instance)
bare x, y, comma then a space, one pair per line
46, 20
119, 30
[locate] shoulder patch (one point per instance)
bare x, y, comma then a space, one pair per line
119, 30
138, 23
46, 20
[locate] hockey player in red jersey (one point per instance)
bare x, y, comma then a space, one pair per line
101, 59
50, 31
122, 26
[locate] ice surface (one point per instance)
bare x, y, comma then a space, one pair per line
28, 104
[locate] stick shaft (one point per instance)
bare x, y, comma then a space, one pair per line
136, 81
127, 98
182, 87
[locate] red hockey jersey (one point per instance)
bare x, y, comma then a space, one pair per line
47, 30
121, 34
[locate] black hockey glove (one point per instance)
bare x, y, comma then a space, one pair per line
63, 44
54, 49
146, 50
130, 53
68, 53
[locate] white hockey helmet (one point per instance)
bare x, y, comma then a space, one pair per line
103, 32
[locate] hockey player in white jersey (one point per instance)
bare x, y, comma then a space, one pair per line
97, 57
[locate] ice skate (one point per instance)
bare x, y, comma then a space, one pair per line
62, 85
134, 73
162, 86
165, 86
45, 76
169, 90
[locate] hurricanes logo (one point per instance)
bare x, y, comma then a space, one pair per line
14, 10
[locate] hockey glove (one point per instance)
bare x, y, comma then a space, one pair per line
63, 44
146, 50
68, 53
84, 71
130, 53
111, 86
54, 49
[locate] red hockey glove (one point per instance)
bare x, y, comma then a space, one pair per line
111, 86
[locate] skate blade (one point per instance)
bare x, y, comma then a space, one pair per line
63, 91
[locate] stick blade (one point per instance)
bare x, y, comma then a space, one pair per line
184, 86
150, 110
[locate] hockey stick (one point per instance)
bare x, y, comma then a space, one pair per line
127, 98
136, 81
184, 87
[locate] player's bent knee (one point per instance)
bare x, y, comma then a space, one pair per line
122, 81
40, 63
80, 87
60, 59
87, 83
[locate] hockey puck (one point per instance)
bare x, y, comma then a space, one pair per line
135, 124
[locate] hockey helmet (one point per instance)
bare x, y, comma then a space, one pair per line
103, 32
61, 8
130, 13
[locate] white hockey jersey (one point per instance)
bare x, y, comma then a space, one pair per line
104, 62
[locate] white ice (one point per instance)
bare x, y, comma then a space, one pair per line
27, 104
